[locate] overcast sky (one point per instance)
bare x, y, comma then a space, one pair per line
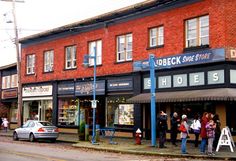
35, 16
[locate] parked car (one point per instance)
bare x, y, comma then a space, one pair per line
33, 130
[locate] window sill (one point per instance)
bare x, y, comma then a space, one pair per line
69, 69
196, 48
123, 62
48, 72
30, 74
96, 66
155, 47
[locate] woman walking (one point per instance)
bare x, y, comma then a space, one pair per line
184, 132
196, 127
203, 133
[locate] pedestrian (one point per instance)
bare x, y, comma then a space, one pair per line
210, 128
162, 126
184, 132
0, 122
5, 124
216, 120
203, 133
196, 127
175, 123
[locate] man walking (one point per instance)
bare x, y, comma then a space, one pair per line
162, 125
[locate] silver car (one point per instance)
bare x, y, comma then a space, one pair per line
33, 130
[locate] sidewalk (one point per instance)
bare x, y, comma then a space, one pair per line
127, 145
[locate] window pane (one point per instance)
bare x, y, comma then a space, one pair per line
204, 40
121, 43
153, 37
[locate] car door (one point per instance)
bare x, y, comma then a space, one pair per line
21, 131
28, 129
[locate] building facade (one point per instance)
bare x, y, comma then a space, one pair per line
8, 103
194, 44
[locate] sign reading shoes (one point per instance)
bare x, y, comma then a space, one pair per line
181, 80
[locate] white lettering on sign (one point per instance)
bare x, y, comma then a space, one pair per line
188, 58
168, 61
215, 77
179, 80
196, 78
164, 82
37, 91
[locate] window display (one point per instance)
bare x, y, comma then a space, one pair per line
68, 112
13, 111
119, 113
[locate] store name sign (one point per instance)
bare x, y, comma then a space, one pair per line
31, 91
86, 88
66, 88
120, 84
200, 57
6, 94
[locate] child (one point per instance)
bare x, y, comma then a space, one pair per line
5, 124
184, 129
210, 128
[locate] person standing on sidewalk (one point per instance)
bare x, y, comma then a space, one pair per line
210, 128
5, 124
203, 132
0, 122
175, 122
184, 132
216, 120
196, 127
162, 126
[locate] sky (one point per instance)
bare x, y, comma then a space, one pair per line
34, 16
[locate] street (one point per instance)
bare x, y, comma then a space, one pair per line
59, 151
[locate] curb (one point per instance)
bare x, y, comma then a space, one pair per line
169, 155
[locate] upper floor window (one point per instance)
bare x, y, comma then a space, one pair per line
156, 36
197, 31
97, 45
70, 57
9, 81
48, 61
124, 47
30, 64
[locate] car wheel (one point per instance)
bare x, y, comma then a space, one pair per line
15, 136
31, 137
53, 140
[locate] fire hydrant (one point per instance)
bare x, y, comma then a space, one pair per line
138, 137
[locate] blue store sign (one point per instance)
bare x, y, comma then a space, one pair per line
86, 88
122, 84
193, 58
66, 88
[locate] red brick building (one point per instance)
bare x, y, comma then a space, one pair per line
194, 43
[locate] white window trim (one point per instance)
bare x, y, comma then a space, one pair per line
31, 67
73, 57
159, 37
198, 32
125, 51
48, 55
98, 52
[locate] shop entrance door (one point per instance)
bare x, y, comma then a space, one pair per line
45, 110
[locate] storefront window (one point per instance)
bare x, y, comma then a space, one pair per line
119, 113
68, 112
192, 109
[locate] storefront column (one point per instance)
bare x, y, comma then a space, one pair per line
55, 104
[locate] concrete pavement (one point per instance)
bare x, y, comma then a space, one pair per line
127, 145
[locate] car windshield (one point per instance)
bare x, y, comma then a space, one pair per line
45, 124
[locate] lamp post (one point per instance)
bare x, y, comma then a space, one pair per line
18, 59
94, 102
153, 98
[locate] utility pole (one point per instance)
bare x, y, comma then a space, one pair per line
18, 59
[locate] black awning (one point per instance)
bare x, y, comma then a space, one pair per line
217, 94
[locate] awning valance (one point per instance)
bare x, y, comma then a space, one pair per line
217, 94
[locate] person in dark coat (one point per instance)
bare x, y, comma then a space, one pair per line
216, 120
162, 126
0, 123
175, 122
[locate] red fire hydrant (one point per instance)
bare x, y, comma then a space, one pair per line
138, 137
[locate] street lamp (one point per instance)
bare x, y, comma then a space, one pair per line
93, 102
153, 98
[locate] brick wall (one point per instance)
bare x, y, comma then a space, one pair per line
173, 21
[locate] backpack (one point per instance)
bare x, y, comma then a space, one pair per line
182, 128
